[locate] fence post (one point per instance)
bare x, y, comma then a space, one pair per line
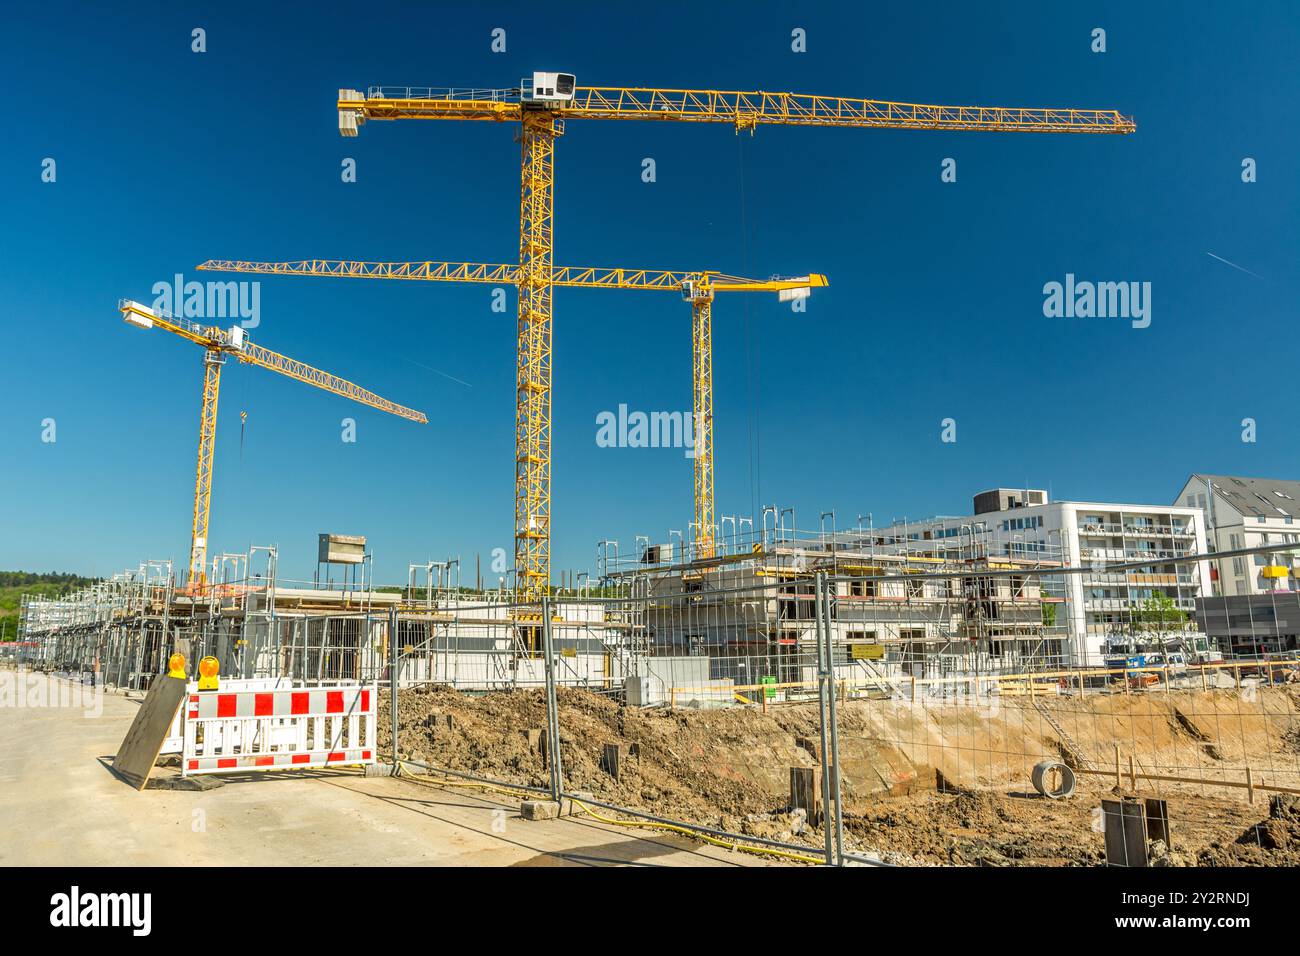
552, 705
393, 677
825, 730
824, 613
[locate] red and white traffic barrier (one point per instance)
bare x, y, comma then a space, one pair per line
238, 730
175, 741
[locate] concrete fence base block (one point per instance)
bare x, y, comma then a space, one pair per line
570, 808
380, 770
539, 809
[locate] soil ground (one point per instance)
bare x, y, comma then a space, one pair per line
929, 784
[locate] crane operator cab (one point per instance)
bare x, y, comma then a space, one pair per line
547, 89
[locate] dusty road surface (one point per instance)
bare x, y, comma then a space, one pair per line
63, 807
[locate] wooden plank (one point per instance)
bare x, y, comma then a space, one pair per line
1202, 781
611, 759
804, 790
144, 738
1125, 826
1158, 821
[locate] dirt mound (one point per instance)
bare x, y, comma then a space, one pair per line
730, 768
715, 768
1274, 841
979, 829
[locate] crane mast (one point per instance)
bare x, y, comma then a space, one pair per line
542, 105
217, 344
696, 288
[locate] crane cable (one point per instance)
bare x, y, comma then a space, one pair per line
243, 415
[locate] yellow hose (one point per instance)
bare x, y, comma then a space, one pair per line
696, 835
648, 824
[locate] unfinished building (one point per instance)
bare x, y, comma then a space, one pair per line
896, 608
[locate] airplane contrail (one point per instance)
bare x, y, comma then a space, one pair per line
443, 374
1234, 265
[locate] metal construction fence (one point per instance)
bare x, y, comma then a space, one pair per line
784, 712
725, 710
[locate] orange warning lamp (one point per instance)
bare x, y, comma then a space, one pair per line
208, 668
176, 666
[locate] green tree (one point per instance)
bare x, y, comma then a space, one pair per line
1158, 617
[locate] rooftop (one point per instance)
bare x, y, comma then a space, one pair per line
1265, 497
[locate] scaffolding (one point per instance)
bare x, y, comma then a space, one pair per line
900, 607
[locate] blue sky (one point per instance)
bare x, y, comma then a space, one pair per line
166, 157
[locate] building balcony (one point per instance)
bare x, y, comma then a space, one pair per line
1102, 554
1092, 527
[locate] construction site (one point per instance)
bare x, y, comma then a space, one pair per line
1040, 683
714, 694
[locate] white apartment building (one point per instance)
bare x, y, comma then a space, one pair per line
1087, 534
1248, 513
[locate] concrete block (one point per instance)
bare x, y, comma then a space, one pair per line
637, 690
570, 809
539, 809
380, 770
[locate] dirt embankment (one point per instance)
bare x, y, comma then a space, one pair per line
1274, 841
731, 768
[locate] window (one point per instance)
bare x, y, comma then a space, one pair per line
1022, 524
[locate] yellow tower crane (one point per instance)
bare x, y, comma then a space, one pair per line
697, 288
217, 344
541, 105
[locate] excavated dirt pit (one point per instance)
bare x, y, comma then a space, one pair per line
928, 784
